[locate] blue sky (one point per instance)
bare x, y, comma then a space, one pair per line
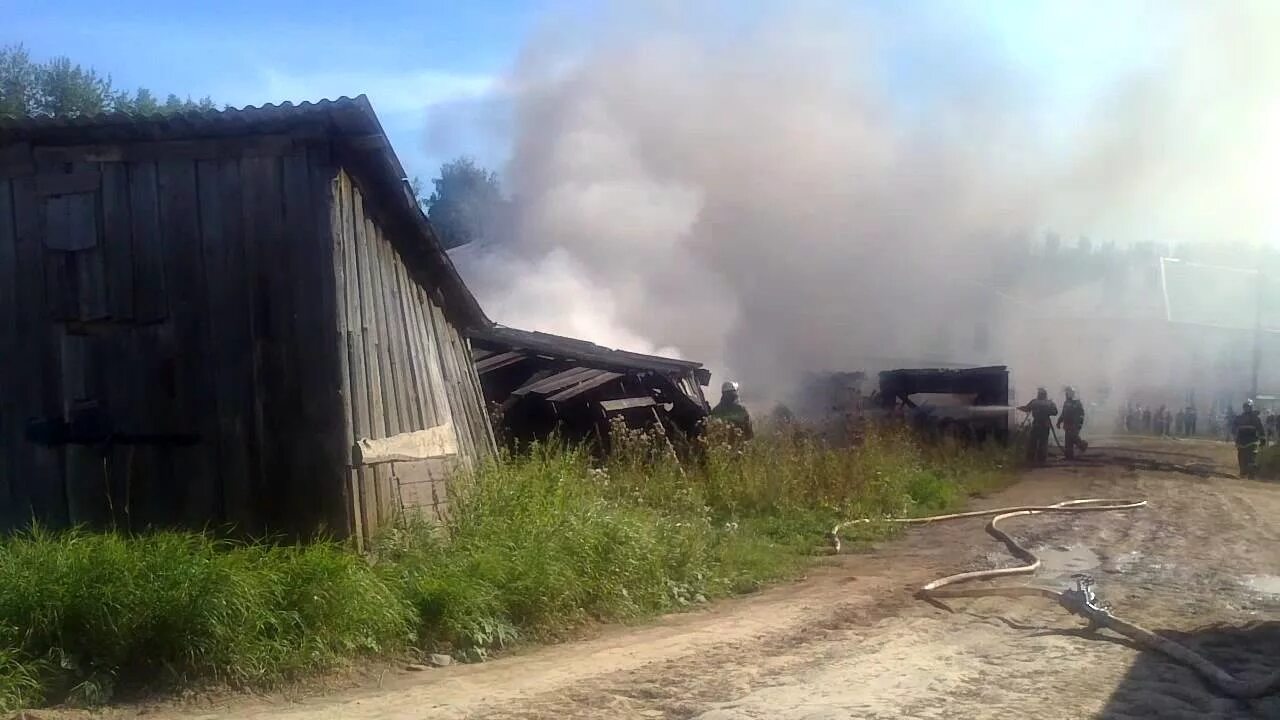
407, 56
413, 58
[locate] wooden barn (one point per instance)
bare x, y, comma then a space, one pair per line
233, 318
539, 384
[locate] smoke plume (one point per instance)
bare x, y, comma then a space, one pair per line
807, 189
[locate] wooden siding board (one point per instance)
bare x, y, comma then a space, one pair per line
153, 496
388, 498
312, 470
400, 363
38, 487
399, 412
435, 375
229, 324
149, 300
368, 321
261, 215
410, 404
432, 383
378, 494
378, 259
70, 221
339, 228
424, 413
457, 404
477, 392
317, 290
361, 421
11, 415
195, 408
16, 159
117, 241
60, 286
87, 500
477, 415
109, 355
417, 370
91, 285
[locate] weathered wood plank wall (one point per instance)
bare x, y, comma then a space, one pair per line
241, 291
178, 288
407, 368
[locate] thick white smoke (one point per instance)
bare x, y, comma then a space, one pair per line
791, 194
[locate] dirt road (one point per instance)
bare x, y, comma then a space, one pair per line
1200, 564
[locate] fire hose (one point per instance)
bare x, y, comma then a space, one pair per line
1080, 600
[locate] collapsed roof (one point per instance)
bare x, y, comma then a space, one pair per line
545, 384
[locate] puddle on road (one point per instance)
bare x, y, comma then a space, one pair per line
1063, 562
1125, 562
1268, 584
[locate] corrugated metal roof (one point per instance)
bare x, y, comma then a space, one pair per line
346, 118
227, 121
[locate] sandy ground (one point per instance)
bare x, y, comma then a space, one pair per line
1200, 564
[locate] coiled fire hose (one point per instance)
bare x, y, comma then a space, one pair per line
1080, 600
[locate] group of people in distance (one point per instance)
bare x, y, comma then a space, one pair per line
1248, 429
1161, 421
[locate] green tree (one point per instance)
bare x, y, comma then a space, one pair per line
467, 203
18, 81
63, 88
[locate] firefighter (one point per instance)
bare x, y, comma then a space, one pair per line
1250, 435
731, 411
1041, 409
1071, 421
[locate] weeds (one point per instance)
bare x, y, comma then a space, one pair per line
94, 613
534, 545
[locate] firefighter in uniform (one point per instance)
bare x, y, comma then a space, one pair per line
1071, 421
1042, 409
731, 411
1250, 434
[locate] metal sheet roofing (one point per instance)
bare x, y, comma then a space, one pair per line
348, 120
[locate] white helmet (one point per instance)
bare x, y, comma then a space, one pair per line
729, 386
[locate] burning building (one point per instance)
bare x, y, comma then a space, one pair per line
538, 385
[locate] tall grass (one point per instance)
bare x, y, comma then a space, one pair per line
534, 545
90, 613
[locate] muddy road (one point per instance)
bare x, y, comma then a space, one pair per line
1201, 564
